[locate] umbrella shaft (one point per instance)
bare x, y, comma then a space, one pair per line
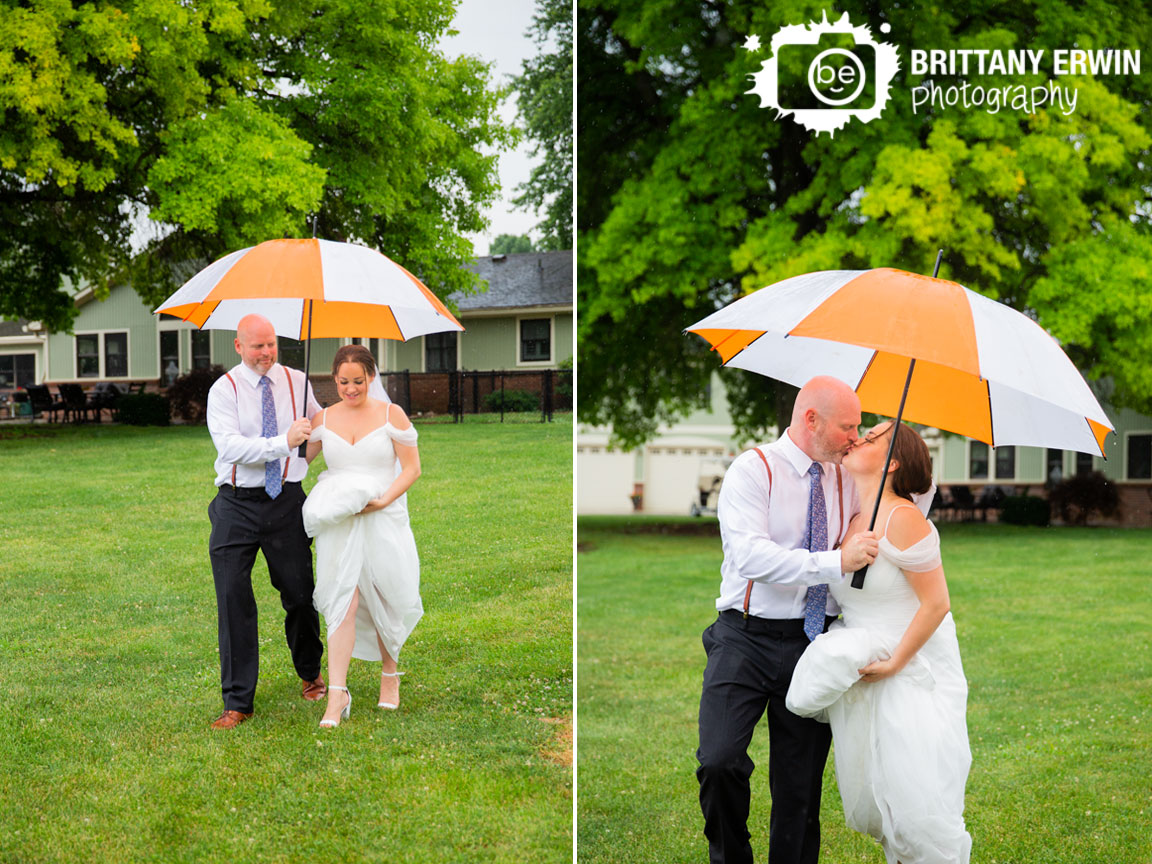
858, 576
307, 361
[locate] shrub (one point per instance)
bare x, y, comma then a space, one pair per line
189, 393
1025, 510
1077, 498
144, 409
513, 400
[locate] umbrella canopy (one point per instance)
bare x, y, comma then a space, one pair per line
982, 369
354, 291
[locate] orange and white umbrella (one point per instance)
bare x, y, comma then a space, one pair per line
980, 368
312, 288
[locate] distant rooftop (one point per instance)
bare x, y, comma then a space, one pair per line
520, 280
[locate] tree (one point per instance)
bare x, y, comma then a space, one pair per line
545, 103
506, 244
701, 195
229, 122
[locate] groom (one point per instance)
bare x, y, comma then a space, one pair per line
256, 425
782, 508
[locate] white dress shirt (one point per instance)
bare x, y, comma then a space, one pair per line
763, 534
235, 421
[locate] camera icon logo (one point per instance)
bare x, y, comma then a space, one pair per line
824, 74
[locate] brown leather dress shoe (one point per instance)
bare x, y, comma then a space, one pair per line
316, 690
230, 720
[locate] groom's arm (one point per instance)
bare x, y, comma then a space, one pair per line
223, 417
743, 511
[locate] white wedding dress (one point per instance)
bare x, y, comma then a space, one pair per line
374, 552
901, 743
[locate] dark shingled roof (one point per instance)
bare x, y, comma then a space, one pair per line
13, 328
520, 280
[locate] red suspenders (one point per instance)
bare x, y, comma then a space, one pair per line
840, 495
291, 393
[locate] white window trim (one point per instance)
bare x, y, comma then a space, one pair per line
100, 334
35, 360
1015, 465
1127, 435
160, 353
968, 464
183, 357
424, 350
211, 350
537, 364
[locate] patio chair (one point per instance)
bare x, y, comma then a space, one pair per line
76, 401
42, 401
104, 396
991, 498
962, 501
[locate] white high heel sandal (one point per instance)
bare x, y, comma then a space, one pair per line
344, 712
390, 706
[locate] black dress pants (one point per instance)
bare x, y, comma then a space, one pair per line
750, 665
245, 521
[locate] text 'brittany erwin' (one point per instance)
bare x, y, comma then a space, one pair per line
987, 61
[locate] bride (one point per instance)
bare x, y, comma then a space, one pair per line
367, 567
889, 678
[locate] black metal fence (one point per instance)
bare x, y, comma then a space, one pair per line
493, 393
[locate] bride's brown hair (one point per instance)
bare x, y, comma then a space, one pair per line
914, 473
355, 354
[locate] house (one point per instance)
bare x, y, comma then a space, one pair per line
668, 474
523, 322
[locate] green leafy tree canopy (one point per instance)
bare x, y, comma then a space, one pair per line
230, 122
544, 94
701, 195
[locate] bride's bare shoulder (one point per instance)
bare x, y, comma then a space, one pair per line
906, 527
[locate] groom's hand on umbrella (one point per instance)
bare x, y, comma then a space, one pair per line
299, 432
858, 551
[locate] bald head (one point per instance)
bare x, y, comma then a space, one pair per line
825, 418
256, 343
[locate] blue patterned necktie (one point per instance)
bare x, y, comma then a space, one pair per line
273, 482
817, 541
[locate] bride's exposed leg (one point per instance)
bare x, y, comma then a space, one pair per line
389, 680
340, 645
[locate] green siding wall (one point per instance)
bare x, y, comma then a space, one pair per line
564, 329
488, 343
408, 356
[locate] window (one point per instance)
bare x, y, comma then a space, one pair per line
115, 355
1140, 456
1055, 466
1005, 463
440, 352
169, 356
978, 461
1083, 464
535, 340
201, 349
102, 355
17, 370
88, 355
290, 352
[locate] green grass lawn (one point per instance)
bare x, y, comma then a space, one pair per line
109, 666
1054, 632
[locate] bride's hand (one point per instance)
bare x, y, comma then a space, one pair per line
373, 505
878, 670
